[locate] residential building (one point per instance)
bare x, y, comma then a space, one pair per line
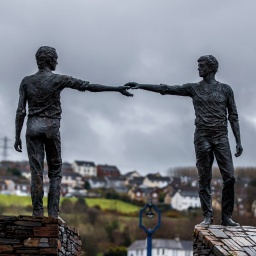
3, 185
22, 187
117, 183
7, 186
156, 180
144, 194
107, 171
72, 179
96, 182
175, 182
67, 167
135, 181
161, 247
130, 176
185, 199
85, 168
169, 192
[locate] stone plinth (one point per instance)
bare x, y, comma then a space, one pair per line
219, 240
34, 236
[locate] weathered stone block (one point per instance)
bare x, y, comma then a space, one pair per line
216, 240
35, 236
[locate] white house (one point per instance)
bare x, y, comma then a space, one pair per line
161, 247
96, 182
84, 168
72, 179
7, 186
117, 183
130, 176
152, 180
184, 199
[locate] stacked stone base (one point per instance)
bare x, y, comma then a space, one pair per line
34, 236
216, 240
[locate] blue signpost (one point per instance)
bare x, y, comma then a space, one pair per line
150, 231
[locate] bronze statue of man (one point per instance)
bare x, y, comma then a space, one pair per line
212, 101
42, 93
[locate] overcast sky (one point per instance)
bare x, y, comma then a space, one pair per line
112, 42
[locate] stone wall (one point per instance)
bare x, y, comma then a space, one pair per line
216, 240
34, 236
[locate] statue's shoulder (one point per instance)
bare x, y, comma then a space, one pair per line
56, 77
61, 77
224, 86
28, 77
192, 85
25, 80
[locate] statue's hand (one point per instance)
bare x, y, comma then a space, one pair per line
239, 150
18, 145
132, 85
124, 90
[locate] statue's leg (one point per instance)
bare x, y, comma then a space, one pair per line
35, 149
53, 156
224, 159
204, 161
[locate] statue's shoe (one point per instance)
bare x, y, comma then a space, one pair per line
229, 222
207, 221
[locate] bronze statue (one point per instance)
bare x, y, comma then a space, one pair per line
42, 93
212, 100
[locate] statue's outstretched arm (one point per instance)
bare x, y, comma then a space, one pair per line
80, 85
180, 90
102, 88
147, 87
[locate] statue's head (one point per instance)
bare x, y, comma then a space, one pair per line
46, 57
210, 61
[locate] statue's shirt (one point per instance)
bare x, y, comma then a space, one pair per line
213, 103
42, 92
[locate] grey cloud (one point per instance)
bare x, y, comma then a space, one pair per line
113, 42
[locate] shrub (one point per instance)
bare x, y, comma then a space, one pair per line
67, 205
93, 215
2, 209
116, 251
89, 244
14, 172
80, 205
110, 227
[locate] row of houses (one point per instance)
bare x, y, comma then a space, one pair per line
89, 169
179, 193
